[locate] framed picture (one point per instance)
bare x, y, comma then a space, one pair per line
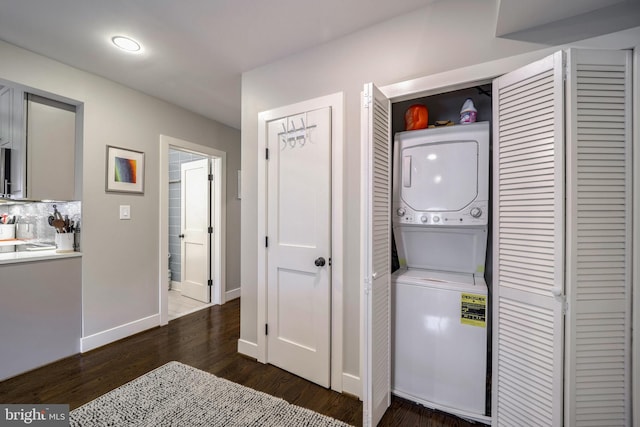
125, 170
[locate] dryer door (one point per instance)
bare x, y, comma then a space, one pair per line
440, 177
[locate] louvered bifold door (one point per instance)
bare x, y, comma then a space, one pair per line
376, 253
598, 238
528, 245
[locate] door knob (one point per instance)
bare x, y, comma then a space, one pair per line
181, 236
320, 262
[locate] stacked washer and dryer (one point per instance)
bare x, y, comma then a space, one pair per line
440, 219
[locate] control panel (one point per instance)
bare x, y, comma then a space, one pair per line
476, 213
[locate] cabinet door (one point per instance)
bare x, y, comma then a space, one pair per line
51, 149
528, 147
5, 117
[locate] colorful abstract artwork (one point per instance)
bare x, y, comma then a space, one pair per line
125, 170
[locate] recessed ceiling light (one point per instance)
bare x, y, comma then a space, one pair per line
126, 43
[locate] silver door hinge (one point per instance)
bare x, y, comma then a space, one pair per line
366, 100
367, 287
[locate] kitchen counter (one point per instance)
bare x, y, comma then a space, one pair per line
28, 256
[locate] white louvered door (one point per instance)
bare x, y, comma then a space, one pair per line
376, 254
598, 238
528, 245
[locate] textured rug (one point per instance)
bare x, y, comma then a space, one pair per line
179, 395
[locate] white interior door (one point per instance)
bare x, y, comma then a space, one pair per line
195, 245
299, 244
376, 254
529, 212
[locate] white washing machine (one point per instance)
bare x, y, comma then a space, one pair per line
440, 202
440, 341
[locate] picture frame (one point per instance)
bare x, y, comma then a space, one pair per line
124, 171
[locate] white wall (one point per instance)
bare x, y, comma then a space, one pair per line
443, 36
120, 258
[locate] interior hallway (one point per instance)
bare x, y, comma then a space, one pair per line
207, 340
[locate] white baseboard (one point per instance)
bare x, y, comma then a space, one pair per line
176, 286
114, 334
352, 385
248, 348
232, 294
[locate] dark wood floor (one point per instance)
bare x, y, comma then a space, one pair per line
206, 340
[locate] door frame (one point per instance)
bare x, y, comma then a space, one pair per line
218, 219
635, 239
336, 102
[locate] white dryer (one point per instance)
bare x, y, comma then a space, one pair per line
440, 203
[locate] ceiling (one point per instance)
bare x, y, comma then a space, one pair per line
196, 50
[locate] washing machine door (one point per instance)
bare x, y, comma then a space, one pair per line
440, 177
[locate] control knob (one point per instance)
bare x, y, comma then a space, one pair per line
475, 212
401, 211
424, 218
436, 219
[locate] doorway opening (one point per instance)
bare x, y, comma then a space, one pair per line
192, 227
445, 111
186, 173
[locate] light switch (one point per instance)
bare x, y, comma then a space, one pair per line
125, 212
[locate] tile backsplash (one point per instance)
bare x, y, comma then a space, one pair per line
32, 218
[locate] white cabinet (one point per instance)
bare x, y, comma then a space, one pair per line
40, 313
51, 148
6, 117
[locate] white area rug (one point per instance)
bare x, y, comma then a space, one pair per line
179, 395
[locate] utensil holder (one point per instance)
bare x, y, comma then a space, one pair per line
7, 232
64, 242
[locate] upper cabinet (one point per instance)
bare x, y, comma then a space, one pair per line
6, 116
51, 149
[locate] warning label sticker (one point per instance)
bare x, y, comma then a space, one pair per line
473, 310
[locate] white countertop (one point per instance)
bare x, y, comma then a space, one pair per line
12, 242
27, 256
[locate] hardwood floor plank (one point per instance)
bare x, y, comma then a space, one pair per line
206, 340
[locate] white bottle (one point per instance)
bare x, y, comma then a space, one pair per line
468, 113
